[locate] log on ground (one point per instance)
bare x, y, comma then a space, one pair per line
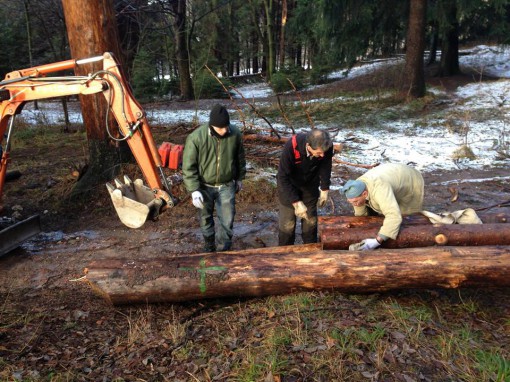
415, 219
422, 236
283, 270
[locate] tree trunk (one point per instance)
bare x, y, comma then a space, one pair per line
92, 30
181, 48
67, 123
421, 235
269, 33
281, 270
433, 46
29, 39
449, 64
414, 82
255, 53
282, 34
256, 35
299, 61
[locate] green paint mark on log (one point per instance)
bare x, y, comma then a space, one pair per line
202, 270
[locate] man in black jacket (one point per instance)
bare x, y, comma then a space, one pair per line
305, 164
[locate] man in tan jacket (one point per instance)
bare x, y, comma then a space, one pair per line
390, 190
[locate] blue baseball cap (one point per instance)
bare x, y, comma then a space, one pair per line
353, 188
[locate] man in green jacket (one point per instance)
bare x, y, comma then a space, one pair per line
213, 168
390, 190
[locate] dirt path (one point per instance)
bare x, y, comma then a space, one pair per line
61, 253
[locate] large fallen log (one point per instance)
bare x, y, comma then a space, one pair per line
348, 222
421, 235
282, 270
415, 219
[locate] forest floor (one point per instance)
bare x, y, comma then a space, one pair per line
54, 328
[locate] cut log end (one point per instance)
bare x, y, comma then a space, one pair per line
441, 239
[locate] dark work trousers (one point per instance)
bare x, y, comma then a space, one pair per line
223, 199
287, 222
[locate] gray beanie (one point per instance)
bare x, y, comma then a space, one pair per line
353, 188
219, 116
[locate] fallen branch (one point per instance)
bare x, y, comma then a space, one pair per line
284, 115
256, 111
302, 104
243, 118
502, 204
355, 164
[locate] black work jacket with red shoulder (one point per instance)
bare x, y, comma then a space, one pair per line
305, 173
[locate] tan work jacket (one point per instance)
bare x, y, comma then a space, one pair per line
393, 190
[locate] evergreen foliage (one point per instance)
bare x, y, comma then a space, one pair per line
207, 86
14, 53
287, 79
247, 36
143, 78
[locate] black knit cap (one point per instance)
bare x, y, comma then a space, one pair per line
219, 116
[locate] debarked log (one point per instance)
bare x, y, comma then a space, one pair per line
354, 222
421, 235
415, 219
257, 272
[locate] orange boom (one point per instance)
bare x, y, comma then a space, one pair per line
133, 201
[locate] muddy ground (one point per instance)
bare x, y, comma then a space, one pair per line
52, 323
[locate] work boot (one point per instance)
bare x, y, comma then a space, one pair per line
225, 247
209, 245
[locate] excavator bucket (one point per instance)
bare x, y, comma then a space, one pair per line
134, 202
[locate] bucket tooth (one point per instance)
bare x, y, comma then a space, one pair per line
110, 187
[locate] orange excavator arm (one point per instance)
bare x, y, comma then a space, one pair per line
131, 200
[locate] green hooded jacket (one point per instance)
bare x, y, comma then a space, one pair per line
212, 160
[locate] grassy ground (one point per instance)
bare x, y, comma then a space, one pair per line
430, 335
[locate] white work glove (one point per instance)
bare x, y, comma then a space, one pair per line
369, 244
323, 198
239, 186
198, 199
300, 210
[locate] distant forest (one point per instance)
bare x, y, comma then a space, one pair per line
177, 46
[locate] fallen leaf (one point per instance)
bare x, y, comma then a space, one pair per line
408, 378
398, 335
455, 193
330, 342
389, 357
370, 375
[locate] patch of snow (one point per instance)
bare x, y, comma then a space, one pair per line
251, 91
478, 180
493, 61
430, 147
364, 68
